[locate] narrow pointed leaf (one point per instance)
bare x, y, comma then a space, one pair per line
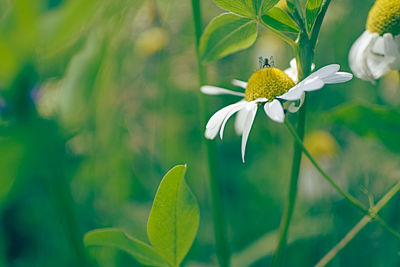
312, 9
117, 238
227, 34
174, 217
280, 20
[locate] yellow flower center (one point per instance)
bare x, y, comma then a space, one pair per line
384, 17
268, 83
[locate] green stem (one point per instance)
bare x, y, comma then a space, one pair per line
59, 191
345, 194
352, 199
291, 199
221, 240
358, 227
304, 56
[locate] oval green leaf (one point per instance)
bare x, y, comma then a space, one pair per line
280, 20
117, 238
225, 35
174, 217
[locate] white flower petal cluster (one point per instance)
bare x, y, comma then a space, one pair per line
377, 50
372, 55
246, 110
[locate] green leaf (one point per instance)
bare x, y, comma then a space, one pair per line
227, 34
247, 8
370, 121
116, 238
280, 20
240, 7
291, 5
267, 5
312, 9
174, 217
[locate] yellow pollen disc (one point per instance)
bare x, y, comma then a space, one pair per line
268, 83
384, 17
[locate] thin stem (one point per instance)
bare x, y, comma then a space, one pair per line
221, 240
352, 199
62, 200
304, 56
359, 226
345, 194
350, 235
290, 203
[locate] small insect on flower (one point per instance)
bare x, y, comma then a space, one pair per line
265, 62
268, 86
377, 50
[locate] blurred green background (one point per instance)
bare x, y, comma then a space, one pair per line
100, 98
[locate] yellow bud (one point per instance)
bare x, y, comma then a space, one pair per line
268, 83
151, 41
384, 17
320, 144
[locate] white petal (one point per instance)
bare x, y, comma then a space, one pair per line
292, 71
213, 90
392, 49
239, 83
378, 47
252, 107
293, 108
324, 71
215, 122
377, 65
294, 93
358, 54
338, 77
230, 113
274, 110
240, 120
312, 84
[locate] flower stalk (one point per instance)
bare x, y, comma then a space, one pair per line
304, 52
359, 226
221, 240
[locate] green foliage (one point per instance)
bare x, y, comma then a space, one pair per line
10, 163
227, 34
79, 80
117, 238
247, 8
313, 8
280, 20
174, 218
372, 121
171, 228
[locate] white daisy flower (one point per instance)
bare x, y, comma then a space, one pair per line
268, 86
377, 50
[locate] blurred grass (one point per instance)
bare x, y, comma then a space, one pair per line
86, 104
